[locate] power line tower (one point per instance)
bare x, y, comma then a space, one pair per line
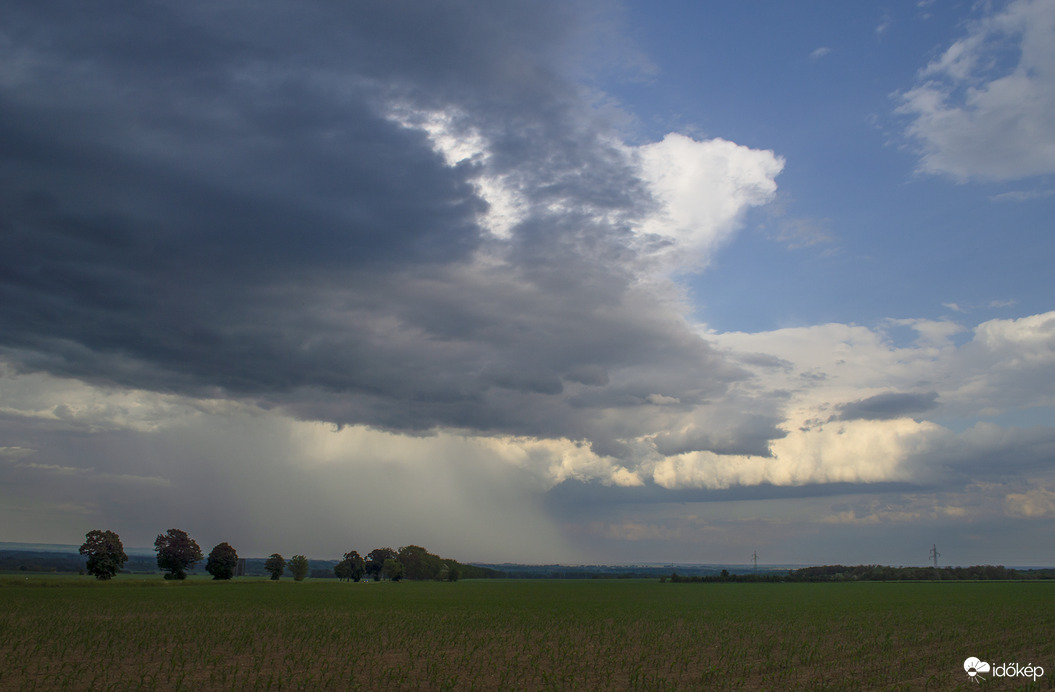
934, 554
755, 558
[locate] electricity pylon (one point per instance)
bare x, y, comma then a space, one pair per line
934, 554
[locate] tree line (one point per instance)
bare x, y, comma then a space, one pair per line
177, 553
836, 573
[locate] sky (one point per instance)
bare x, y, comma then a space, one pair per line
543, 282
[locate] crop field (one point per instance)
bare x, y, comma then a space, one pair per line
74, 633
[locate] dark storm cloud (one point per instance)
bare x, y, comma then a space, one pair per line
172, 177
888, 406
215, 199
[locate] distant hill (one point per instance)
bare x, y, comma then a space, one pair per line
62, 548
65, 559
39, 547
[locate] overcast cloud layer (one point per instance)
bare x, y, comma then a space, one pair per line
315, 277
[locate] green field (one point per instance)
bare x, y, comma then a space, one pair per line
130, 634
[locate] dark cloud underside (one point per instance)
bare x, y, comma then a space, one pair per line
889, 406
213, 199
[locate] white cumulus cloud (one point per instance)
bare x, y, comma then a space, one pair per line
703, 189
983, 109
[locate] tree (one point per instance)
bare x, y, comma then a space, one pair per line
351, 568
222, 561
419, 563
375, 561
357, 563
393, 569
177, 552
276, 565
105, 553
298, 567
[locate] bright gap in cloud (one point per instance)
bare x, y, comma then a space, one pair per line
701, 188
462, 144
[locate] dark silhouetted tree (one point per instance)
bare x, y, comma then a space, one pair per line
298, 567
276, 565
105, 553
419, 563
375, 561
177, 552
393, 569
222, 561
351, 568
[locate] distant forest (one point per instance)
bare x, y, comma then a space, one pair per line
838, 573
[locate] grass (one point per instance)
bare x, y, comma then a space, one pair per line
135, 634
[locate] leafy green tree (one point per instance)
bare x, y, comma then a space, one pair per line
105, 553
298, 567
276, 565
454, 571
393, 569
419, 563
351, 568
222, 561
358, 565
177, 552
375, 561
